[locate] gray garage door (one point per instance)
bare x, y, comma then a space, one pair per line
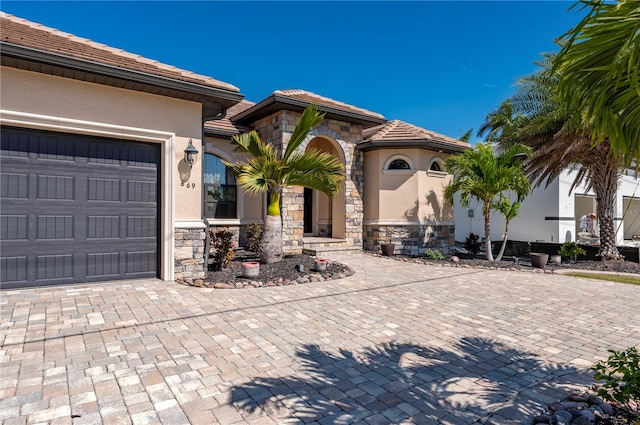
76, 209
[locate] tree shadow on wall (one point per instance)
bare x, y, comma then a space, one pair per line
395, 382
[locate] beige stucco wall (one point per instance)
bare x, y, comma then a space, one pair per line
112, 112
249, 207
39, 101
405, 196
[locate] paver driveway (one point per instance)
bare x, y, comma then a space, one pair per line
395, 343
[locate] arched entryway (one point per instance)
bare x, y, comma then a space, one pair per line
324, 216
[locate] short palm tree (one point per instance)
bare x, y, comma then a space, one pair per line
509, 210
266, 171
483, 175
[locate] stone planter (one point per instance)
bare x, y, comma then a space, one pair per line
250, 269
556, 259
387, 249
538, 260
321, 265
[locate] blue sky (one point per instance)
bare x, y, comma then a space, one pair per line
439, 65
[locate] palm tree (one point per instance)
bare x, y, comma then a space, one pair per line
480, 174
542, 120
266, 171
509, 210
600, 67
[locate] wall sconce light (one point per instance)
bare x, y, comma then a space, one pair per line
190, 154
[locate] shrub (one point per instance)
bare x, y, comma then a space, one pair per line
254, 236
434, 254
222, 247
571, 250
621, 373
472, 244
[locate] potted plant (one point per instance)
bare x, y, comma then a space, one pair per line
387, 249
539, 259
571, 250
250, 269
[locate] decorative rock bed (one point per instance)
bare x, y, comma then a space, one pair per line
577, 409
295, 270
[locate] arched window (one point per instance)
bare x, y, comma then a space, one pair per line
436, 167
220, 189
399, 164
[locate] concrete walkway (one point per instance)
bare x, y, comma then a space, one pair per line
395, 343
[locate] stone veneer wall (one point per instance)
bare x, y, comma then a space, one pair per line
410, 239
189, 253
277, 129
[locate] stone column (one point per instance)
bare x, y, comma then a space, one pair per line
189, 253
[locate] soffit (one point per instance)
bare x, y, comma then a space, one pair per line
397, 134
34, 47
297, 100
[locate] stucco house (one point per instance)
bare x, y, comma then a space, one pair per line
552, 214
96, 185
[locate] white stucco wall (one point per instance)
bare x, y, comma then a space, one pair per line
548, 214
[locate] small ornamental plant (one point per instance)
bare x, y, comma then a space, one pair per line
254, 236
222, 247
621, 375
472, 244
434, 254
571, 250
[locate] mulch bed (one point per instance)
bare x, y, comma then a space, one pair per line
292, 270
523, 264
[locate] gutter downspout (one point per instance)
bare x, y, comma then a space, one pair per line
207, 238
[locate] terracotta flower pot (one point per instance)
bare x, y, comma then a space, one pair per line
250, 269
538, 259
321, 264
387, 249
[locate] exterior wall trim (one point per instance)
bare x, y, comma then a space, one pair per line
92, 128
408, 223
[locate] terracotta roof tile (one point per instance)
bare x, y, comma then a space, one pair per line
226, 125
24, 33
309, 97
400, 131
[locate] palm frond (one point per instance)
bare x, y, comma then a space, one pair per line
316, 170
600, 65
252, 144
310, 118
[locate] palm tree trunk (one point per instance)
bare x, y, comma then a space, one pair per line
604, 179
271, 243
487, 230
504, 242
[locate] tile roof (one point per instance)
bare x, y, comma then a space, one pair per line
310, 97
226, 126
400, 132
20, 32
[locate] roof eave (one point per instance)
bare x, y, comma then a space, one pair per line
213, 99
276, 102
433, 145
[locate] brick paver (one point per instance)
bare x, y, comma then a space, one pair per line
395, 343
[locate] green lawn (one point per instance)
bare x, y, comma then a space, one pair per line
610, 277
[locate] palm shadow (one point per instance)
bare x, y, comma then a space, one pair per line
475, 380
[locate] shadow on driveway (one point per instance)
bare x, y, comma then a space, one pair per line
477, 380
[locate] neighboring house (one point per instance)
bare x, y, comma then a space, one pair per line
95, 185
553, 214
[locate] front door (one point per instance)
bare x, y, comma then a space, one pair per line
308, 208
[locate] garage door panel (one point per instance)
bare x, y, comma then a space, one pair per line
103, 264
104, 189
14, 227
14, 185
76, 209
